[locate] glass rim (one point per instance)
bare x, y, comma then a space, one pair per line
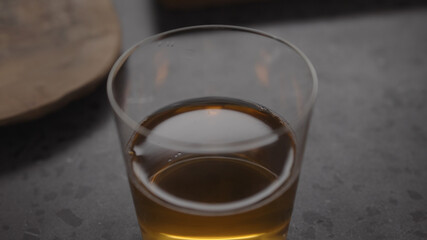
136, 126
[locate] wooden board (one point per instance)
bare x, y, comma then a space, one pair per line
52, 52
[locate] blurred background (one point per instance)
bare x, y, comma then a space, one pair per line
363, 177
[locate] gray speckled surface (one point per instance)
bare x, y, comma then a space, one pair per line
365, 170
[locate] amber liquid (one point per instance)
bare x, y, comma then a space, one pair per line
229, 193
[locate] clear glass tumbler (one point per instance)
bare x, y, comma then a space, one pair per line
212, 121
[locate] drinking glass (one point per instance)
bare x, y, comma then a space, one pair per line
212, 122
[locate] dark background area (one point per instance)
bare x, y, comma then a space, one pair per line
271, 11
363, 177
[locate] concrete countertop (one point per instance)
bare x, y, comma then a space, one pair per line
364, 174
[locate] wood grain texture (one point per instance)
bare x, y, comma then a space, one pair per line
52, 52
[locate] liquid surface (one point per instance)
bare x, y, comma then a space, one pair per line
213, 125
164, 175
